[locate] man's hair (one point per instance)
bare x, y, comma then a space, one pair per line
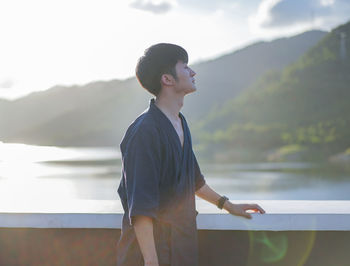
157, 60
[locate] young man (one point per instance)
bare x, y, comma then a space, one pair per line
160, 173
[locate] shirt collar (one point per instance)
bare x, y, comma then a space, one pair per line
154, 107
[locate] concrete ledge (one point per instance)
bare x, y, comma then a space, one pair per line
280, 216
267, 222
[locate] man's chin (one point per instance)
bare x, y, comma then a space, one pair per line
193, 89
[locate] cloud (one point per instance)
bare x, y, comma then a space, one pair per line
156, 7
287, 13
6, 83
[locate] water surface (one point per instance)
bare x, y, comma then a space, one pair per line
30, 172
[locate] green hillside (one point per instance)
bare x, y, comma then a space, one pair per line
229, 75
305, 107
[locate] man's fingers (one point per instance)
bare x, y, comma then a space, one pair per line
247, 215
258, 208
261, 209
255, 208
245, 210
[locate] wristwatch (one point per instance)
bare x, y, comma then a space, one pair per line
221, 202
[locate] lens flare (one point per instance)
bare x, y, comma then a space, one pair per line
280, 248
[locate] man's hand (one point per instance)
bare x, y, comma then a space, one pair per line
241, 209
208, 194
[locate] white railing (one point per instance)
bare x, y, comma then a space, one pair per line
289, 215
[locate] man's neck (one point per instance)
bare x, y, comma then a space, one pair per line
170, 106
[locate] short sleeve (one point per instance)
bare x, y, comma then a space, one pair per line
141, 169
199, 178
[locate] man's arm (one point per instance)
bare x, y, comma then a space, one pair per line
208, 194
143, 227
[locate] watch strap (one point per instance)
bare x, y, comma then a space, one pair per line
221, 202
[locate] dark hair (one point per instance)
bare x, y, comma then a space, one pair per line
157, 60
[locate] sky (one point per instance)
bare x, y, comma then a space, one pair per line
44, 43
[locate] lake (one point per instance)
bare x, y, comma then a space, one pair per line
29, 172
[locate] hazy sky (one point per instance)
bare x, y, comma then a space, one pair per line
48, 42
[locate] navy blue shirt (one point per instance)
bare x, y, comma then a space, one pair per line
159, 180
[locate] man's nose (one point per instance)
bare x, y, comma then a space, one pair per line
193, 73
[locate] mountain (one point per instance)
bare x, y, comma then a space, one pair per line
305, 106
227, 76
39, 107
92, 115
98, 113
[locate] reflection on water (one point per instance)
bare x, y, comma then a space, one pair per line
29, 153
55, 173
281, 185
30, 172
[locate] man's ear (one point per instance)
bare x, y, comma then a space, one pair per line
167, 80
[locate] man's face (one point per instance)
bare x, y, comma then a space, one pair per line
185, 78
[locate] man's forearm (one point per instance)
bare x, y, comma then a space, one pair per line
143, 227
208, 194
